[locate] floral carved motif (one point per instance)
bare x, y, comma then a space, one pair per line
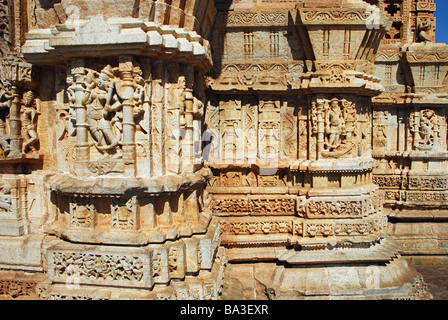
99, 268
334, 15
252, 18
254, 206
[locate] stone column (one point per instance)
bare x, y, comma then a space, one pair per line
15, 124
187, 143
17, 72
82, 142
127, 91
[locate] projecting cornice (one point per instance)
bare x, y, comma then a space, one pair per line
116, 36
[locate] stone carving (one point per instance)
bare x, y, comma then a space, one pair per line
4, 28
318, 16
99, 268
5, 198
82, 212
425, 128
107, 108
252, 18
5, 105
18, 288
380, 134
254, 206
144, 149
28, 117
423, 31
340, 209
124, 213
256, 227
334, 122
269, 130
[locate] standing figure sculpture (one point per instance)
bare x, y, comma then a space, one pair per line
5, 199
103, 108
335, 125
28, 117
427, 127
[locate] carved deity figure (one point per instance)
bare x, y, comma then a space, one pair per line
5, 198
426, 129
103, 110
334, 125
28, 117
141, 102
380, 135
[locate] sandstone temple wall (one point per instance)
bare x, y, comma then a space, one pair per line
199, 149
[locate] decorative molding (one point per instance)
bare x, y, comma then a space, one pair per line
251, 19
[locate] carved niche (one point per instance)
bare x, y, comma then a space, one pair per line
425, 127
82, 212
19, 109
269, 129
106, 108
124, 213
251, 128
380, 129
131, 117
334, 123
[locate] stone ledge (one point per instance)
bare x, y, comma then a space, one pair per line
116, 186
125, 36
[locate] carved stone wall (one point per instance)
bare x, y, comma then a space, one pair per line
193, 149
409, 131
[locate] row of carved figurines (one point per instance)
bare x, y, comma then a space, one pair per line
103, 94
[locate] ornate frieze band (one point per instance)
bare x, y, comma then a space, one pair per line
252, 19
305, 228
310, 16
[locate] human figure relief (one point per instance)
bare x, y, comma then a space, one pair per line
428, 127
5, 198
141, 101
334, 125
424, 31
380, 135
28, 117
103, 111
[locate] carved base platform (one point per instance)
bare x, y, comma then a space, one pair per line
187, 268
423, 235
206, 285
374, 274
22, 253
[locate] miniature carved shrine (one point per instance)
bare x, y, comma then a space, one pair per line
203, 149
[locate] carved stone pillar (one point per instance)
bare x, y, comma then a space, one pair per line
15, 124
127, 93
82, 147
187, 142
17, 73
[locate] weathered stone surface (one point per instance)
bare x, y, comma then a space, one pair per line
206, 149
